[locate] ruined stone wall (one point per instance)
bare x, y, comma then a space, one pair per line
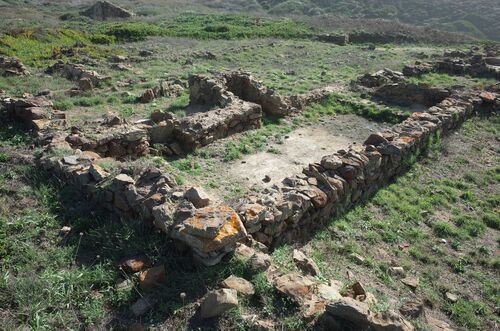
203, 128
249, 89
305, 202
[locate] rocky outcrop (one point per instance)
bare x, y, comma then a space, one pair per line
103, 10
12, 67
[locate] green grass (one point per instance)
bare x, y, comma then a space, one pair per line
36, 47
210, 27
408, 219
342, 104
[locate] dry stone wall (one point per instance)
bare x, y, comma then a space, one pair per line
10, 66
473, 63
304, 202
212, 229
37, 112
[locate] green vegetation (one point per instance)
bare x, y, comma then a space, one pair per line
342, 104
210, 27
477, 19
434, 222
38, 47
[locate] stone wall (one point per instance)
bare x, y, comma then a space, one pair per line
303, 203
249, 89
74, 71
203, 128
473, 63
147, 193
36, 112
10, 66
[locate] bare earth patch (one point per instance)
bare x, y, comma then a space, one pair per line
301, 147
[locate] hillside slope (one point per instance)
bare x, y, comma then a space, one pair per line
478, 18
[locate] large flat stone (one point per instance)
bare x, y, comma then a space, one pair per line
211, 229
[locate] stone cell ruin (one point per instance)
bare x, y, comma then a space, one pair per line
222, 106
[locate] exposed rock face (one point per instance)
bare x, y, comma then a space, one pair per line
218, 302
103, 10
12, 67
249, 89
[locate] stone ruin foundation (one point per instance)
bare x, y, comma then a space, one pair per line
282, 213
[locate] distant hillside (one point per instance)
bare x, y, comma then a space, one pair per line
479, 18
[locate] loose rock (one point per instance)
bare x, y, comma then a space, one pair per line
241, 285
218, 302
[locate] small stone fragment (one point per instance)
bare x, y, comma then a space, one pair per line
218, 302
150, 278
304, 263
411, 282
198, 197
241, 285
135, 263
451, 297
